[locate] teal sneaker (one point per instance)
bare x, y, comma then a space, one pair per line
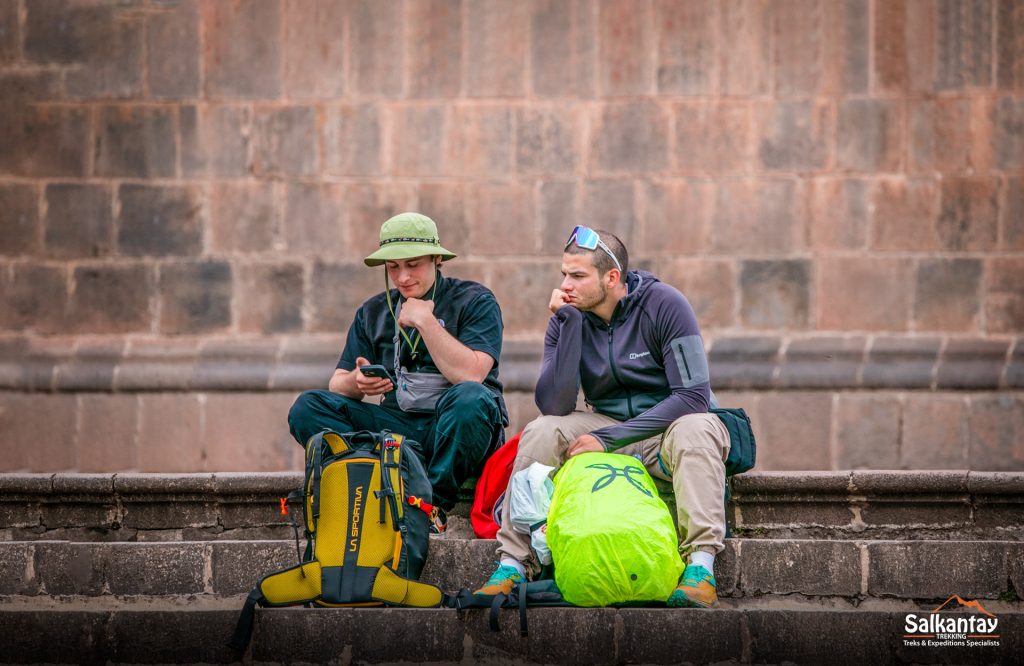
696, 589
501, 581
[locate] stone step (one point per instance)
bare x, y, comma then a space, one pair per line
748, 568
826, 505
764, 631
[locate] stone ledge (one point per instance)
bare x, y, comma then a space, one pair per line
292, 364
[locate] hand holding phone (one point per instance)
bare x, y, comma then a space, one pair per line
372, 379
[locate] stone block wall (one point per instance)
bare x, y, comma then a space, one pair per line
185, 182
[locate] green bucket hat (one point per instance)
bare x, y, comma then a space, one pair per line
405, 236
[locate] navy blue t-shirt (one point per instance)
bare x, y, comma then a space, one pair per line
467, 310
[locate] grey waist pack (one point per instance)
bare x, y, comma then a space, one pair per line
419, 391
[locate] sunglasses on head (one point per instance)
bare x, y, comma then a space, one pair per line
589, 239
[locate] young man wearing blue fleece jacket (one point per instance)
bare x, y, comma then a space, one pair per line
632, 343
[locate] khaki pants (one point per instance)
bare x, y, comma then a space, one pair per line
691, 453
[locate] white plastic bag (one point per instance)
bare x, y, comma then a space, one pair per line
529, 496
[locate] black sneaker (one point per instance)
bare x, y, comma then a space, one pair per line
438, 522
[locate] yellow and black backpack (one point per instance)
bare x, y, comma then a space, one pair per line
367, 519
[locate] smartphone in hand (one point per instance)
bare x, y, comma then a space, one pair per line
377, 371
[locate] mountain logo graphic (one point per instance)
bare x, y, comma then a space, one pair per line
975, 604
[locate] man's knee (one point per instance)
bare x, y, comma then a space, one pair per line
695, 431
303, 408
467, 400
542, 437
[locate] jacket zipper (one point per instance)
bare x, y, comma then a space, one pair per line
615, 375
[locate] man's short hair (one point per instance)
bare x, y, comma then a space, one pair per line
601, 260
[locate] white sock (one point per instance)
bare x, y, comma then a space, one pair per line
510, 562
704, 559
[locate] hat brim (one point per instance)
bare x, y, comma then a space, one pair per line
396, 251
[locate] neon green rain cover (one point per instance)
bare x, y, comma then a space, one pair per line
612, 539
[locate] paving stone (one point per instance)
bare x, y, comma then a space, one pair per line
563, 48
215, 140
78, 222
171, 636
238, 59
110, 299
624, 65
777, 636
811, 568
285, 142
270, 298
947, 295
374, 70
434, 48
76, 639
631, 137
775, 294
757, 217
44, 142
908, 569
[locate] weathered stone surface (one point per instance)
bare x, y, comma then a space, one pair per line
775, 294
159, 221
709, 286
44, 142
10, 34
22, 418
234, 420
563, 47
797, 434
779, 636
963, 45
244, 217
504, 220
625, 65
338, 289
32, 86
901, 362
934, 433
867, 432
170, 636
496, 48
976, 364
869, 135
151, 569
195, 297
968, 217
1009, 46
904, 214
654, 636
20, 203
940, 135
235, 365
758, 217
169, 435
374, 70
35, 298
713, 137
314, 213
996, 422
970, 569
1004, 302
822, 362
110, 299
79, 221
838, 213
434, 40
269, 298
102, 415
114, 66
215, 140
547, 139
743, 362
793, 136
68, 568
353, 140
242, 58
76, 639
678, 218
314, 49
873, 305
770, 566
948, 295
479, 142
610, 205
631, 137
136, 142
419, 140
518, 289
173, 52
285, 142
687, 47
238, 566
16, 563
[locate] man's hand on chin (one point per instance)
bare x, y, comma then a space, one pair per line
584, 444
415, 313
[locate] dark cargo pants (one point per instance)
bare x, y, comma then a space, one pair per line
453, 442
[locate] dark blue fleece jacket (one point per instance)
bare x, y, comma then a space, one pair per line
647, 367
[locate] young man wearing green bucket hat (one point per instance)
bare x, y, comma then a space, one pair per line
439, 339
